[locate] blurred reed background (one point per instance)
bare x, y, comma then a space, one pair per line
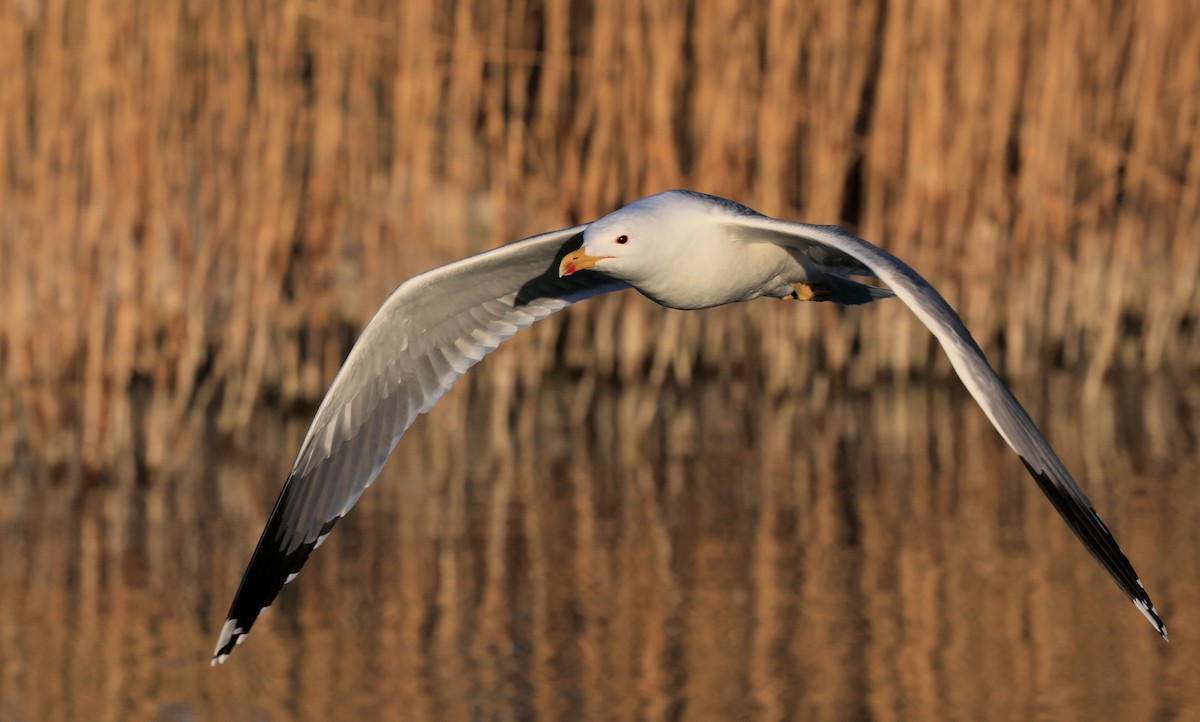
201, 203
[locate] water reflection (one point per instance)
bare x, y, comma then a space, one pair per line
837, 556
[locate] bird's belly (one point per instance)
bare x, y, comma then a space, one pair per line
746, 277
696, 299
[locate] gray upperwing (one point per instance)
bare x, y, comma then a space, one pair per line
989, 391
430, 330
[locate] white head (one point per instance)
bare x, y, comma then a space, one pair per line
643, 239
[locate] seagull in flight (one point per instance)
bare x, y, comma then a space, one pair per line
682, 249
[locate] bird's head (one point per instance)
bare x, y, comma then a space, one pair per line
612, 245
636, 242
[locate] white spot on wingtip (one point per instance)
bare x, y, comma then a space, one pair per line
290, 577
1151, 614
321, 540
228, 632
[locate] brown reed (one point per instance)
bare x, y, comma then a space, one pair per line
200, 204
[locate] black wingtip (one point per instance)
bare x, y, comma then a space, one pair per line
271, 567
1152, 614
1146, 607
231, 636
1091, 530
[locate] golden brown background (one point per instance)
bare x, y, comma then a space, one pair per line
785, 511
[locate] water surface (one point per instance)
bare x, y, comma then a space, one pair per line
580, 552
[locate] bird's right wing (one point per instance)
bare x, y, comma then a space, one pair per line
431, 329
997, 402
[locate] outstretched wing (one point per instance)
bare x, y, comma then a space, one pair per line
1001, 407
431, 329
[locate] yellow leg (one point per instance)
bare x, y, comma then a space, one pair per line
810, 292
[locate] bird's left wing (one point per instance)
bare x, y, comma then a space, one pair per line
431, 329
993, 396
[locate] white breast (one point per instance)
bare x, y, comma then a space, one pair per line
717, 270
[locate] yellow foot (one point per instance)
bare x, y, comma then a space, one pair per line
810, 292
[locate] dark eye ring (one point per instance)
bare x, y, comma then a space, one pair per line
622, 239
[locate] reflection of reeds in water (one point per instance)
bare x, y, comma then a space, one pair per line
200, 204
882, 556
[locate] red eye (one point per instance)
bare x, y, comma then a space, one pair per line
622, 240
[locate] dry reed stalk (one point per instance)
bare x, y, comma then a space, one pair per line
207, 202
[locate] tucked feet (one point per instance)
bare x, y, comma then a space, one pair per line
811, 292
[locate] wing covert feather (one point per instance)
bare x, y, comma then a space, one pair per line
428, 332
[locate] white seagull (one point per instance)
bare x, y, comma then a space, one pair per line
682, 249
